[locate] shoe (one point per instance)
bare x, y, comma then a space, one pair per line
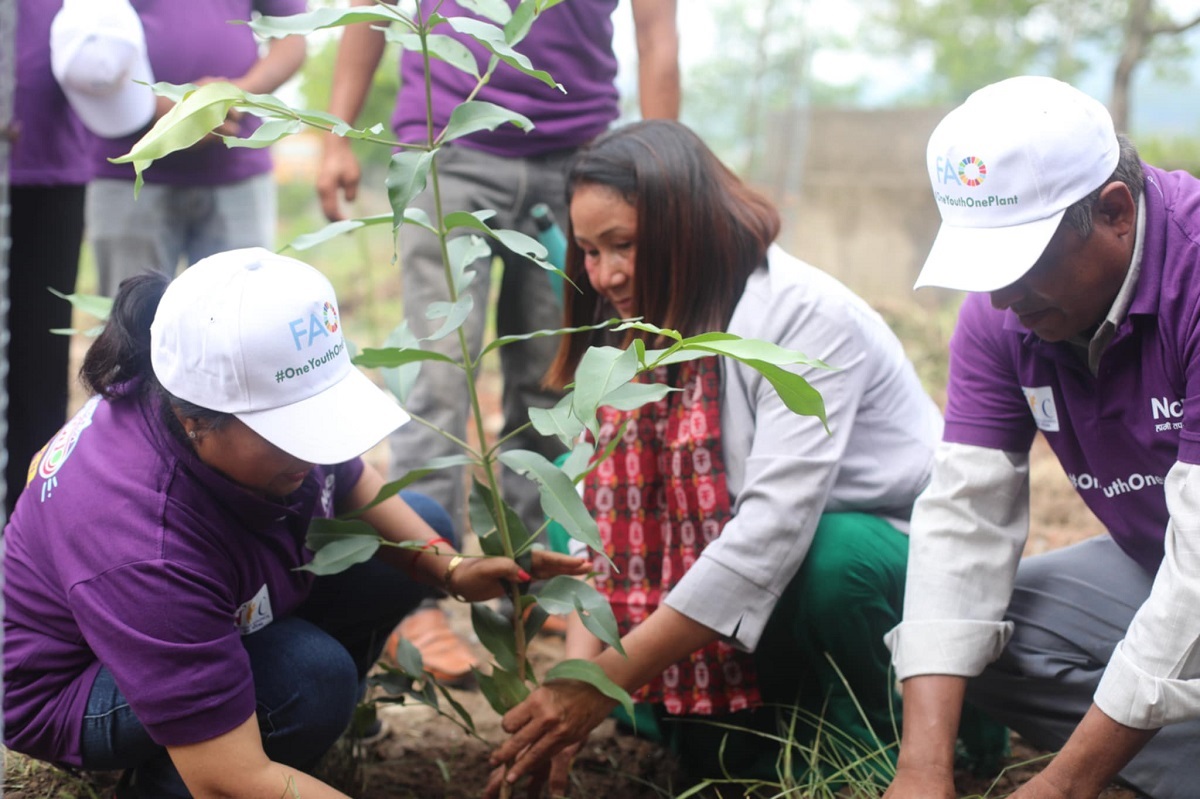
446, 656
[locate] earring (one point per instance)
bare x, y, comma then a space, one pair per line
192, 435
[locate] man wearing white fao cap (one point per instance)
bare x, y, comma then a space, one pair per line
155, 619
1083, 324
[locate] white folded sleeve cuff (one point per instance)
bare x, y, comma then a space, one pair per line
1131, 696
725, 601
957, 647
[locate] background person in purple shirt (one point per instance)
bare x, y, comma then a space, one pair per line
1083, 325
508, 171
155, 620
50, 164
208, 198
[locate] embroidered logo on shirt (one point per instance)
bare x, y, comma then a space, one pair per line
252, 616
327, 495
52, 456
1041, 405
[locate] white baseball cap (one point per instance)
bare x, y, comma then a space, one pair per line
257, 335
97, 52
1005, 166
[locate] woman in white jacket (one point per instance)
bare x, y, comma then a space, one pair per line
760, 557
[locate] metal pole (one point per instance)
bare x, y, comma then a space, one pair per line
8, 78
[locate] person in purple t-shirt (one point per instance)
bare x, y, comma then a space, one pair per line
50, 164
155, 615
208, 198
508, 171
1083, 325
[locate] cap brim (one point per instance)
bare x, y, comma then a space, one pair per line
342, 422
983, 258
117, 115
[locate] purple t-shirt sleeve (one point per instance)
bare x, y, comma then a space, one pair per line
347, 475
985, 406
147, 647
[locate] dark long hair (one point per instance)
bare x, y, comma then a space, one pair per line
121, 353
701, 231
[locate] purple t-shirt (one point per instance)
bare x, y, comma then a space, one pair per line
188, 41
571, 41
53, 148
1118, 433
125, 549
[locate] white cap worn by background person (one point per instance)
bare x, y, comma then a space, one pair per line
1005, 166
257, 335
97, 52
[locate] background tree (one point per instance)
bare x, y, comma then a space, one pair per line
976, 42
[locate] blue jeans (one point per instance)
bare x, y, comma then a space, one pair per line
309, 672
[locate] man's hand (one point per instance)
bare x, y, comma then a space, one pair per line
338, 175
921, 783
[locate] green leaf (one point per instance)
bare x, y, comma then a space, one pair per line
794, 390
493, 39
393, 488
503, 690
92, 304
600, 372
304, 24
517, 28
496, 634
564, 594
322, 532
464, 251
188, 121
476, 115
458, 708
335, 554
495, 10
385, 358
559, 499
407, 173
576, 465
565, 331
307, 241
442, 47
267, 134
747, 349
514, 240
632, 396
454, 313
408, 658
646, 327
401, 379
588, 672
557, 421
482, 508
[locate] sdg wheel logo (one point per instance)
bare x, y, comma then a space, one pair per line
972, 171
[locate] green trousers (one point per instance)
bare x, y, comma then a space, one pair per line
831, 710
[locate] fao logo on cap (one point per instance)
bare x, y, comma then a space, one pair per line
970, 171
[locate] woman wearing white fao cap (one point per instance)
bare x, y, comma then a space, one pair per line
155, 620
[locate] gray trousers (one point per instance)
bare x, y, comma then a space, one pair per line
1070, 607
469, 181
167, 224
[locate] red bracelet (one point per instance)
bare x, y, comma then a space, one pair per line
434, 542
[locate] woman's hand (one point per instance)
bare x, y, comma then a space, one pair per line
552, 778
557, 715
477, 579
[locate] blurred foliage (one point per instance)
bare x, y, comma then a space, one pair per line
1171, 152
976, 42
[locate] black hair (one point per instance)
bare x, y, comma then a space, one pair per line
1129, 171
